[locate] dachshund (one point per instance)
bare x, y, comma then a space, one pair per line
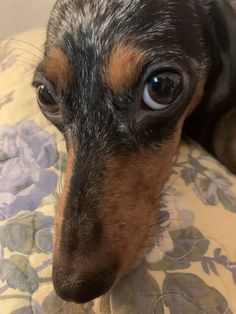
122, 80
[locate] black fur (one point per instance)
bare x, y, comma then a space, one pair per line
197, 37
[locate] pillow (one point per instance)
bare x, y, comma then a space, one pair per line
191, 268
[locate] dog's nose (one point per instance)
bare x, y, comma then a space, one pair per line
85, 289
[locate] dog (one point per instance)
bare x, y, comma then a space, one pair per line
122, 80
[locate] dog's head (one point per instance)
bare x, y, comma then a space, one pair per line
119, 78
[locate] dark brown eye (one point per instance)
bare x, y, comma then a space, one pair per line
46, 100
162, 90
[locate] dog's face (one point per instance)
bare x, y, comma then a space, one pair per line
118, 79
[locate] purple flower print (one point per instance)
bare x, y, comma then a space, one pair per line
26, 153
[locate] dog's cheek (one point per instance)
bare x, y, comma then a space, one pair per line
131, 194
130, 199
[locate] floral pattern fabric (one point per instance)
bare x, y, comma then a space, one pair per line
192, 265
26, 153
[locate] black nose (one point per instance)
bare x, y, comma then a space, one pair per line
86, 288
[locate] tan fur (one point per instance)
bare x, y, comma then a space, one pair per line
62, 201
124, 67
197, 96
129, 202
131, 195
57, 67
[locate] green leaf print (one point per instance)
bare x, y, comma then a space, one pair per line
227, 199
189, 175
189, 246
136, 293
187, 293
54, 305
20, 233
19, 274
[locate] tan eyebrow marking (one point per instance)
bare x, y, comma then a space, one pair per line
124, 67
57, 67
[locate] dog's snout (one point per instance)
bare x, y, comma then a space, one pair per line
86, 287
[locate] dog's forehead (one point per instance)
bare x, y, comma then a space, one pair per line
107, 21
89, 32
107, 43
114, 39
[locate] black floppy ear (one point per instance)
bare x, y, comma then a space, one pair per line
222, 15
220, 91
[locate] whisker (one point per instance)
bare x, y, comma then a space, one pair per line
169, 187
180, 219
24, 59
29, 52
159, 228
26, 43
158, 236
163, 218
154, 208
61, 184
60, 179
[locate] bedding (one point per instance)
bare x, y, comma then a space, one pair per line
192, 266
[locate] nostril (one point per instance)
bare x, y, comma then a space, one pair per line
85, 289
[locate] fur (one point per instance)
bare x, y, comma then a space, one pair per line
99, 55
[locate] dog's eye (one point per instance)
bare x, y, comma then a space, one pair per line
46, 100
162, 89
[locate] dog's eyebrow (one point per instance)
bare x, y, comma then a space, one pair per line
124, 67
56, 65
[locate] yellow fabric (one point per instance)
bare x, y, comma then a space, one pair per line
192, 268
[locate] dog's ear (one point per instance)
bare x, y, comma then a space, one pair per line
220, 90
222, 16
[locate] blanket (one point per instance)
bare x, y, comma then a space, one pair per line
192, 266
